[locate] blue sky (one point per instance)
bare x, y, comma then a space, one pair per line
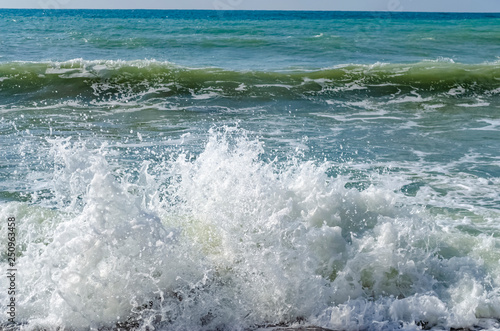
383, 5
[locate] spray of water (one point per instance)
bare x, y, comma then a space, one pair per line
227, 239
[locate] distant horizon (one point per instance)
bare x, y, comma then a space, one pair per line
411, 6
266, 10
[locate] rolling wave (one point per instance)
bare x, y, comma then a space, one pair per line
102, 80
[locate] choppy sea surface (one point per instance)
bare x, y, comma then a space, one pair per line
219, 170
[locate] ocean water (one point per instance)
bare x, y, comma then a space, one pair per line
210, 170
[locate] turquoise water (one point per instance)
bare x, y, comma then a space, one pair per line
202, 170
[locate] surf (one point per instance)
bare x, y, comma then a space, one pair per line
145, 81
229, 239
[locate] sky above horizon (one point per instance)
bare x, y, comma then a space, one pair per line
359, 5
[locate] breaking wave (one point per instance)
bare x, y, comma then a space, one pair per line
227, 239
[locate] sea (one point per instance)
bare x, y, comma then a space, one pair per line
249, 170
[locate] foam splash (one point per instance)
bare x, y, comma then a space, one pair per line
230, 240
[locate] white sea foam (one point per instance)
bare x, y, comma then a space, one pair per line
227, 240
493, 124
479, 103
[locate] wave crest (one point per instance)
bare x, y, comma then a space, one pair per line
95, 82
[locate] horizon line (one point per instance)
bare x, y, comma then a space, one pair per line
267, 10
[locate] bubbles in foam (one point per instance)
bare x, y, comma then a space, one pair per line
228, 239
